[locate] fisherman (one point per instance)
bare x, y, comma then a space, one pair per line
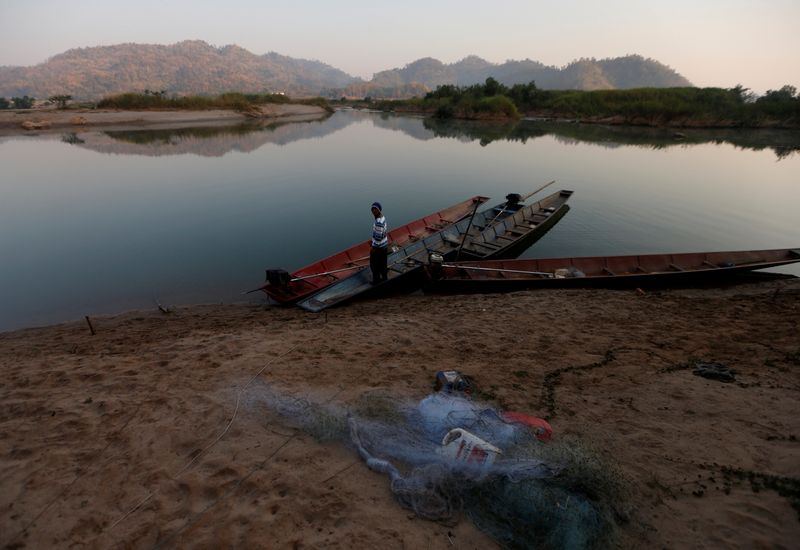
380, 245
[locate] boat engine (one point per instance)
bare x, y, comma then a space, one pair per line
278, 277
513, 199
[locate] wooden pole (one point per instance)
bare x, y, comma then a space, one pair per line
469, 225
497, 269
529, 195
89, 322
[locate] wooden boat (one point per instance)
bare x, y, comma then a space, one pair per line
475, 235
286, 288
601, 271
510, 235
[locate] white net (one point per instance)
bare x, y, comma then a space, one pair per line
528, 494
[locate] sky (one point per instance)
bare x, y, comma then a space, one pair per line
710, 42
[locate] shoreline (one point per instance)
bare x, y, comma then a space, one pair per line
92, 425
37, 120
612, 120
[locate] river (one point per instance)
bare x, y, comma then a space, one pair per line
99, 222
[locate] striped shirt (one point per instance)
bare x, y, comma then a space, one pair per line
379, 230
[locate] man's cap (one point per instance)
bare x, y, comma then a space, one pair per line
377, 205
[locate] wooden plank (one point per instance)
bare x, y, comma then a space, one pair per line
484, 244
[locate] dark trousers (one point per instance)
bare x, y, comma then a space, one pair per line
377, 263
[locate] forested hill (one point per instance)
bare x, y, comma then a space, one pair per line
191, 67
195, 67
632, 71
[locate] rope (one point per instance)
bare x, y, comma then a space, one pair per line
64, 491
210, 445
232, 490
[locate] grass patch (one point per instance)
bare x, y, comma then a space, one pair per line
232, 100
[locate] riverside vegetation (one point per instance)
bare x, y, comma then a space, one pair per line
153, 100
231, 100
686, 106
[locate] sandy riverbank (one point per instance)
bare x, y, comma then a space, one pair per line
21, 121
120, 439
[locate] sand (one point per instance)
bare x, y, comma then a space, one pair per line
120, 440
43, 120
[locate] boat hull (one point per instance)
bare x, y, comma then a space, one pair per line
317, 276
643, 271
406, 265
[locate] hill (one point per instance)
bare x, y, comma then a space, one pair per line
196, 67
632, 71
190, 67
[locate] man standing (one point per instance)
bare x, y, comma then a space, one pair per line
380, 245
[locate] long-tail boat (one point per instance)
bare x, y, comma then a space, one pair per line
657, 270
405, 264
510, 235
288, 288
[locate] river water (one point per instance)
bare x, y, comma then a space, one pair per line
100, 222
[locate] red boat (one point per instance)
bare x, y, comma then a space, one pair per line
602, 271
287, 288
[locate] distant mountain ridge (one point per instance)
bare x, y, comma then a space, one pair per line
189, 67
632, 71
196, 67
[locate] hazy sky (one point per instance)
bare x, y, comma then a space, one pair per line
711, 42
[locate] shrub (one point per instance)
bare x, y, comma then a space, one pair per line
229, 100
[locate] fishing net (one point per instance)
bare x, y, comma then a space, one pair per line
531, 495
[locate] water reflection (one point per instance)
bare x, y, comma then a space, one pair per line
206, 141
72, 138
782, 142
219, 140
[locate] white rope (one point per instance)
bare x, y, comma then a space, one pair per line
209, 446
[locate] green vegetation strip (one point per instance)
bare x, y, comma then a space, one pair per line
646, 106
232, 100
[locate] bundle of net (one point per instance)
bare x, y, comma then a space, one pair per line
532, 494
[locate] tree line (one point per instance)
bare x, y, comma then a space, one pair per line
26, 102
231, 100
23, 102
493, 99
159, 99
